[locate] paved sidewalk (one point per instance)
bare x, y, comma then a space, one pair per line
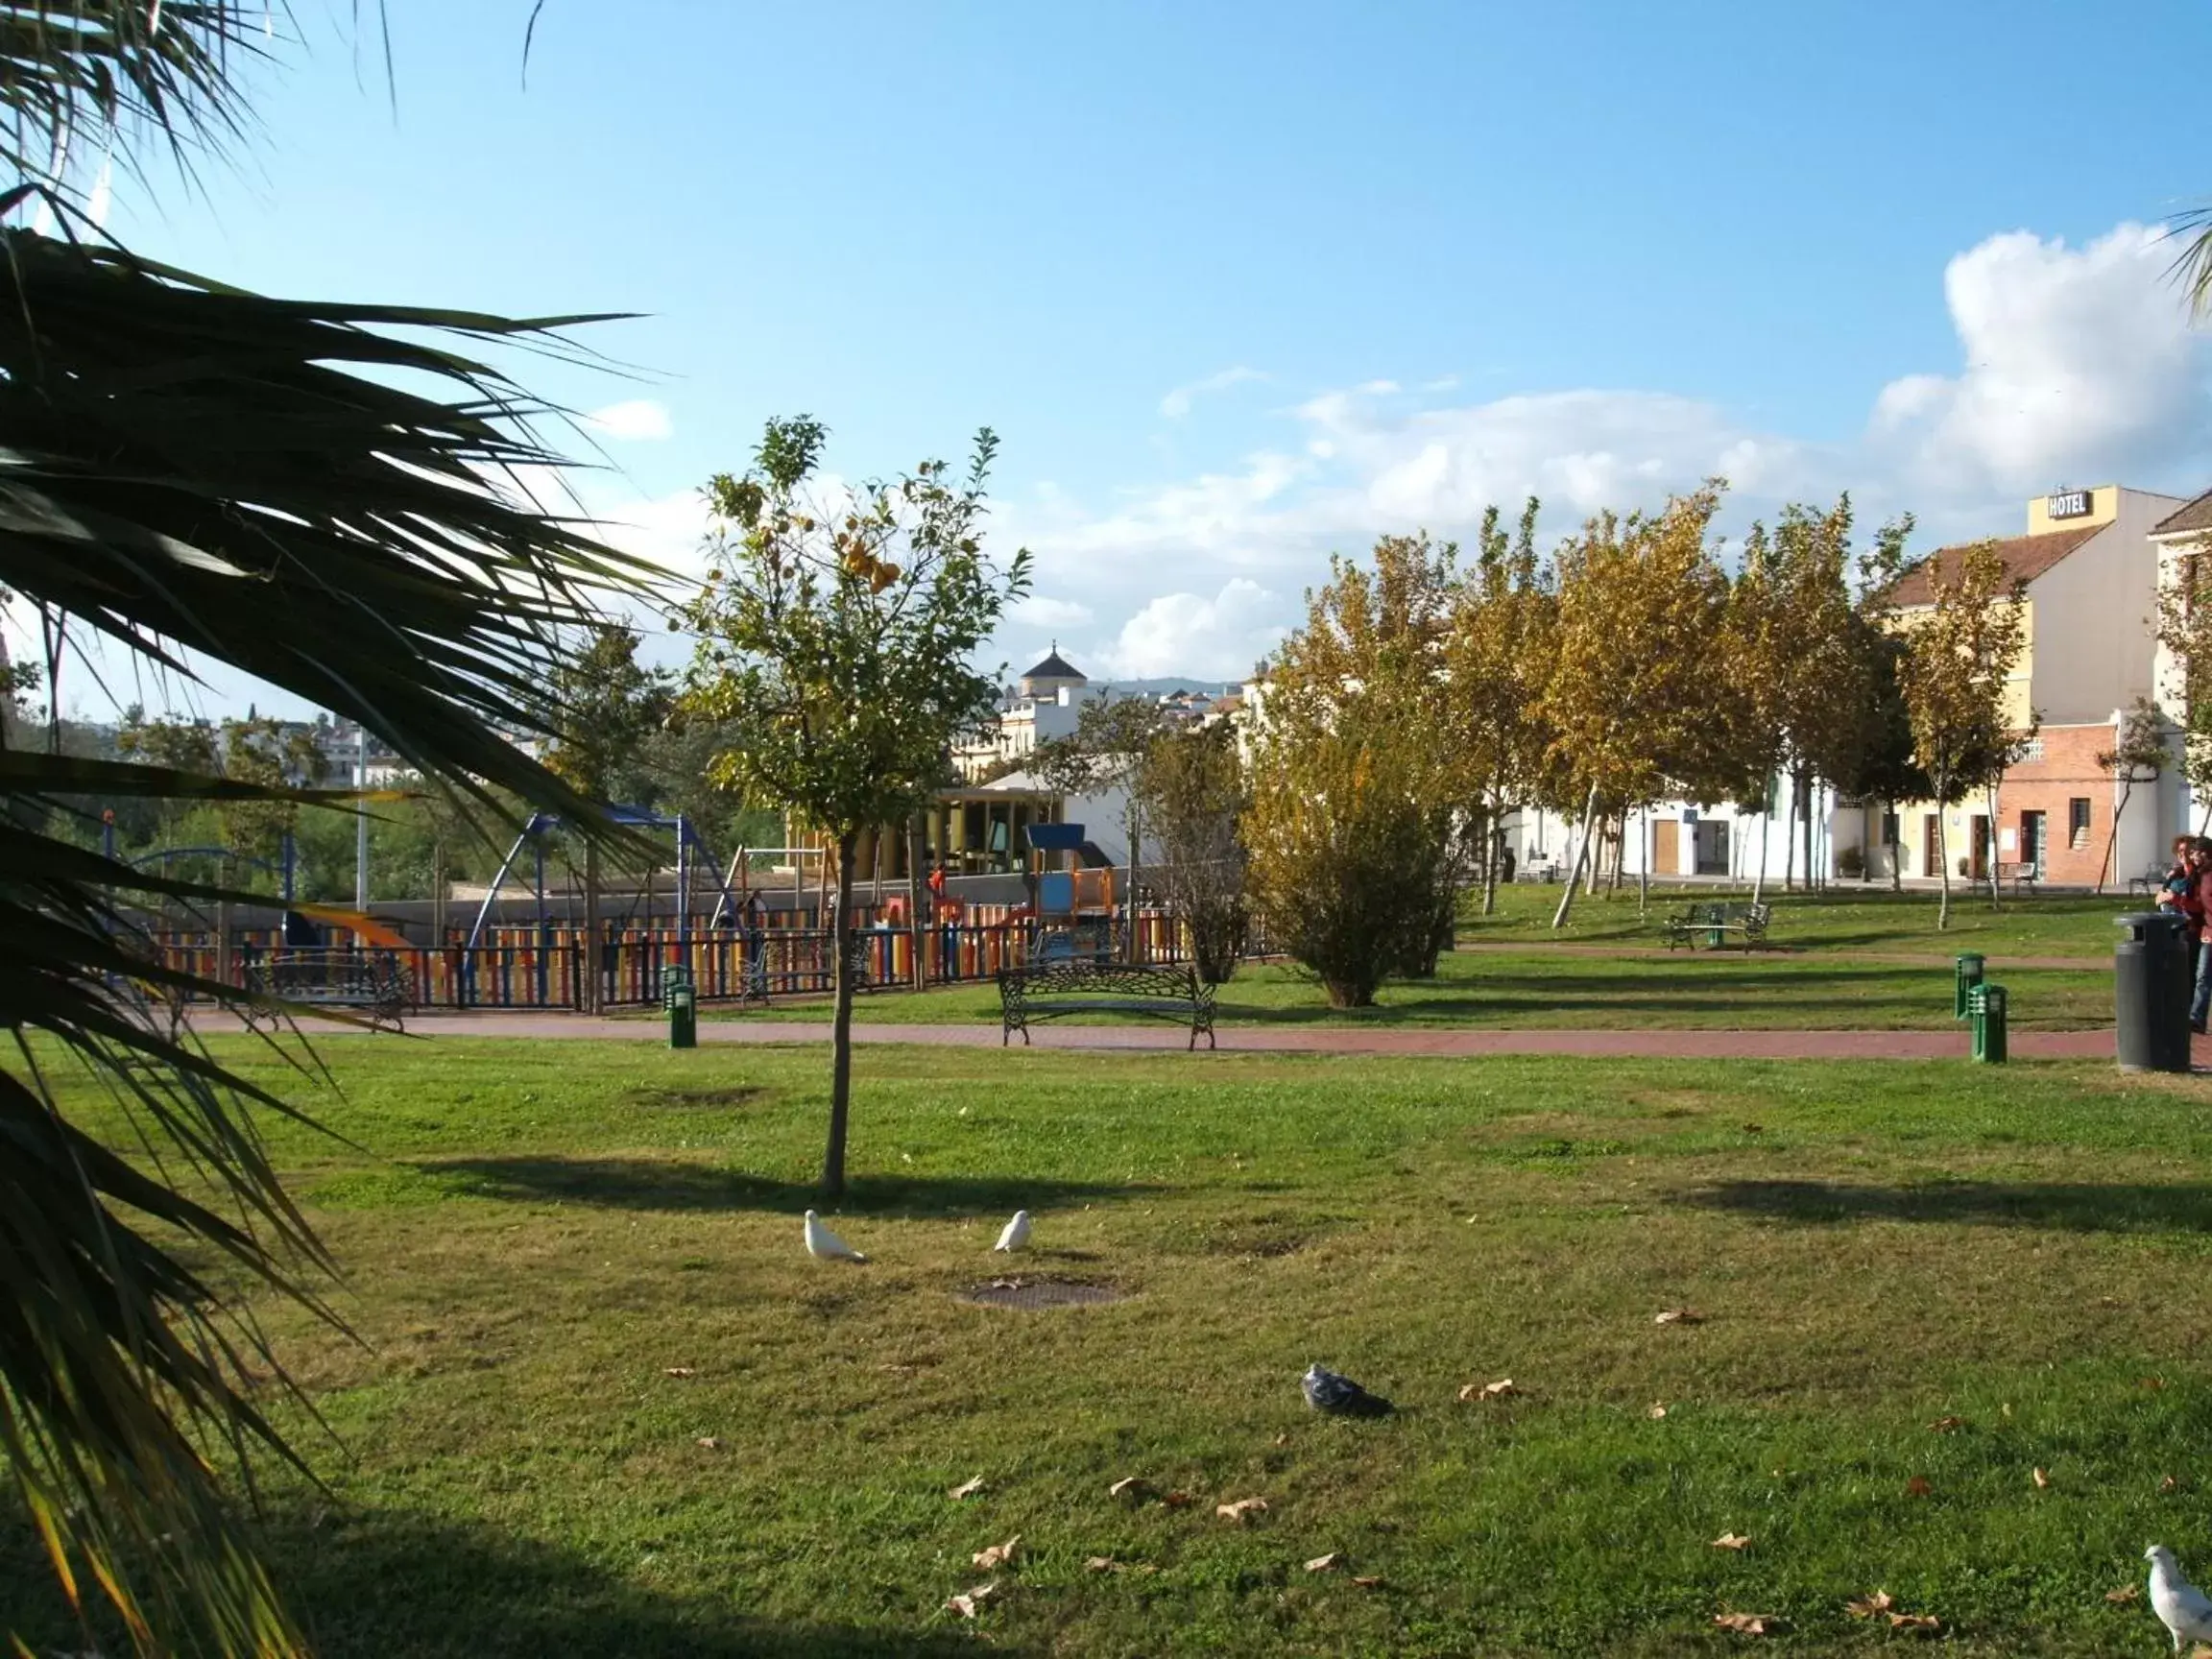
1949, 1045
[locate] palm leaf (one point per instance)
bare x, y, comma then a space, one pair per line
2192, 266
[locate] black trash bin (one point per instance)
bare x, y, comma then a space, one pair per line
2151, 991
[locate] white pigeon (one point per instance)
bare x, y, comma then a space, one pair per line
2181, 1607
1016, 1234
826, 1244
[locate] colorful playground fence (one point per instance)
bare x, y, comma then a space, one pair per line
546, 968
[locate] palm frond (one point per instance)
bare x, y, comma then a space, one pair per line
2192, 266
315, 494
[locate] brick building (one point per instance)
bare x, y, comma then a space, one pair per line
2090, 569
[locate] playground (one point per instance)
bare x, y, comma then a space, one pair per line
1932, 1331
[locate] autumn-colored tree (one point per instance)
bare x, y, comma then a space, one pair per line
1498, 661
840, 638
2138, 755
1636, 677
1193, 793
1960, 651
1359, 789
1108, 751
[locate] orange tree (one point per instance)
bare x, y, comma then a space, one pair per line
838, 644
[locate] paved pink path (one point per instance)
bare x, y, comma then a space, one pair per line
1717, 1045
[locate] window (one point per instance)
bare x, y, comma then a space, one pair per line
2077, 823
2031, 749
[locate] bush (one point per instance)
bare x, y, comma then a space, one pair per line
1851, 862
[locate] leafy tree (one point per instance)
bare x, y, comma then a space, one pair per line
606, 706
1107, 751
2139, 756
1193, 792
1642, 603
841, 636
1355, 807
1498, 659
1879, 764
296, 491
1960, 653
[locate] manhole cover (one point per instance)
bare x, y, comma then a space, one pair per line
1038, 1293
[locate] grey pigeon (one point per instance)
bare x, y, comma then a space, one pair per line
2181, 1607
1341, 1395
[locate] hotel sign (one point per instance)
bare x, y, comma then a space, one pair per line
2067, 504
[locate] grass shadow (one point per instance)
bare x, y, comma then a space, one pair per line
670, 1184
376, 1585
2064, 1206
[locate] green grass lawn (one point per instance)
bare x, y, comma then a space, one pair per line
1535, 987
537, 1235
1847, 917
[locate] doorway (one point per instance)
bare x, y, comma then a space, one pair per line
1977, 869
1712, 848
2033, 841
1666, 846
1931, 845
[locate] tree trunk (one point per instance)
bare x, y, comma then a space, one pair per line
1942, 857
1804, 790
841, 1024
1567, 898
1991, 795
1789, 844
1896, 847
1490, 863
2112, 840
1135, 829
1765, 824
1643, 869
916, 887
1619, 852
593, 987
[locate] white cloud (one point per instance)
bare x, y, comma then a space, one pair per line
1039, 611
1177, 403
1216, 638
639, 420
2077, 367
2081, 368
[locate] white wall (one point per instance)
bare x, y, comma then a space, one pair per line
2095, 642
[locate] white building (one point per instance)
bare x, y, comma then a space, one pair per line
1045, 704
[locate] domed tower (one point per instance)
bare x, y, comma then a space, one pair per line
1053, 676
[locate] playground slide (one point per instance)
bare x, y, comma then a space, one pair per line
366, 928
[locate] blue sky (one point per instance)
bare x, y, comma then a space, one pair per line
1399, 259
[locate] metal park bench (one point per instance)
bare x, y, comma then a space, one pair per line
370, 982
1049, 990
1717, 923
2019, 875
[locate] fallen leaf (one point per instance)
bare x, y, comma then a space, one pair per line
2006, 1410
1866, 1606
1282, 1439
710, 1442
1745, 1624
998, 1555
1101, 1564
1656, 1410
1917, 1487
1241, 1510
1732, 1541
1914, 1622
967, 1603
1328, 1563
2042, 1480
2168, 1484
2154, 1384
1679, 1316
678, 1371
967, 1488
2125, 1594
1945, 1424
1368, 1581
1178, 1499
1754, 1128
1131, 1487
1498, 1390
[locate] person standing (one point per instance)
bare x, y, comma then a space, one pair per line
2195, 905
